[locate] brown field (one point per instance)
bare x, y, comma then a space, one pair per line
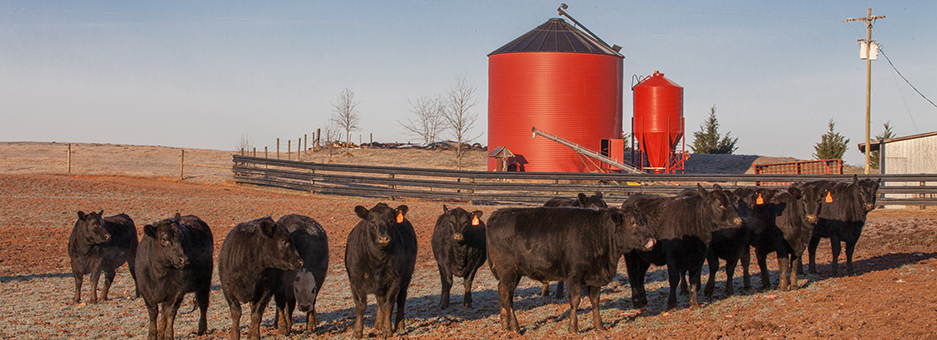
892, 296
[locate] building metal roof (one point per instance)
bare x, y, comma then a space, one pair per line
556, 35
876, 144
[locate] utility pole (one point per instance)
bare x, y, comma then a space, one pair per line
869, 21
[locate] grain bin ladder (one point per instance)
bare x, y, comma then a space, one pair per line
584, 151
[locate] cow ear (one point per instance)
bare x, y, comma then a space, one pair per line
149, 230
702, 191
583, 198
855, 178
478, 213
101, 213
617, 216
445, 209
402, 209
267, 227
794, 191
598, 194
177, 217
362, 212
81, 215
717, 187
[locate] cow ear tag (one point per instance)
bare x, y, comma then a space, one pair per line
475, 220
400, 217
759, 200
829, 197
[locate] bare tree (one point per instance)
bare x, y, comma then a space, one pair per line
429, 121
459, 118
331, 135
345, 114
244, 144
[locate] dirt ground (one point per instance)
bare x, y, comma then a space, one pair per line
891, 297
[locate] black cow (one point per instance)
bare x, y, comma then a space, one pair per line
379, 256
175, 258
249, 264
579, 246
683, 227
843, 211
101, 244
302, 286
459, 248
581, 201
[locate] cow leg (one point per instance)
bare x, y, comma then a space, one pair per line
446, 279
596, 315
281, 321
784, 263
170, 316
546, 288
361, 303
467, 285
694, 278
234, 308
683, 288
850, 248
730, 274
713, 262
575, 296
746, 260
837, 247
762, 258
152, 310
257, 314
560, 289
201, 297
637, 269
78, 279
131, 265
95, 276
401, 305
311, 320
108, 280
812, 253
797, 260
506, 287
288, 313
674, 275
161, 327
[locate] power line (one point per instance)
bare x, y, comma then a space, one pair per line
905, 79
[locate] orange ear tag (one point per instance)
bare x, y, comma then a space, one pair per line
400, 217
759, 200
475, 220
829, 197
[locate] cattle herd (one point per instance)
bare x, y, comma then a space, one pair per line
578, 242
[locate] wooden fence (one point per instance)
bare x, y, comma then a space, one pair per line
483, 187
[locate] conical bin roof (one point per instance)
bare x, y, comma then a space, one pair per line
556, 35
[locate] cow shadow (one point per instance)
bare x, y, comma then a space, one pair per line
30, 277
872, 264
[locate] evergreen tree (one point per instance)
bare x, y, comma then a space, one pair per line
832, 145
874, 157
708, 140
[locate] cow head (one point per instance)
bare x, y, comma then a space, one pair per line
631, 231
810, 197
723, 213
274, 237
166, 237
90, 227
460, 222
380, 220
305, 290
868, 191
594, 201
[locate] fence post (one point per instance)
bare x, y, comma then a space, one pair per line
255, 152
923, 195
278, 148
305, 142
181, 163
288, 148
318, 137
265, 152
69, 158
299, 154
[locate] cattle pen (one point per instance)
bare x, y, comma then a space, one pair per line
484, 187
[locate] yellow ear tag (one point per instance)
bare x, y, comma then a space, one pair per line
475, 220
400, 217
759, 200
829, 197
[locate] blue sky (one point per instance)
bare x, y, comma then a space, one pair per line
202, 74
